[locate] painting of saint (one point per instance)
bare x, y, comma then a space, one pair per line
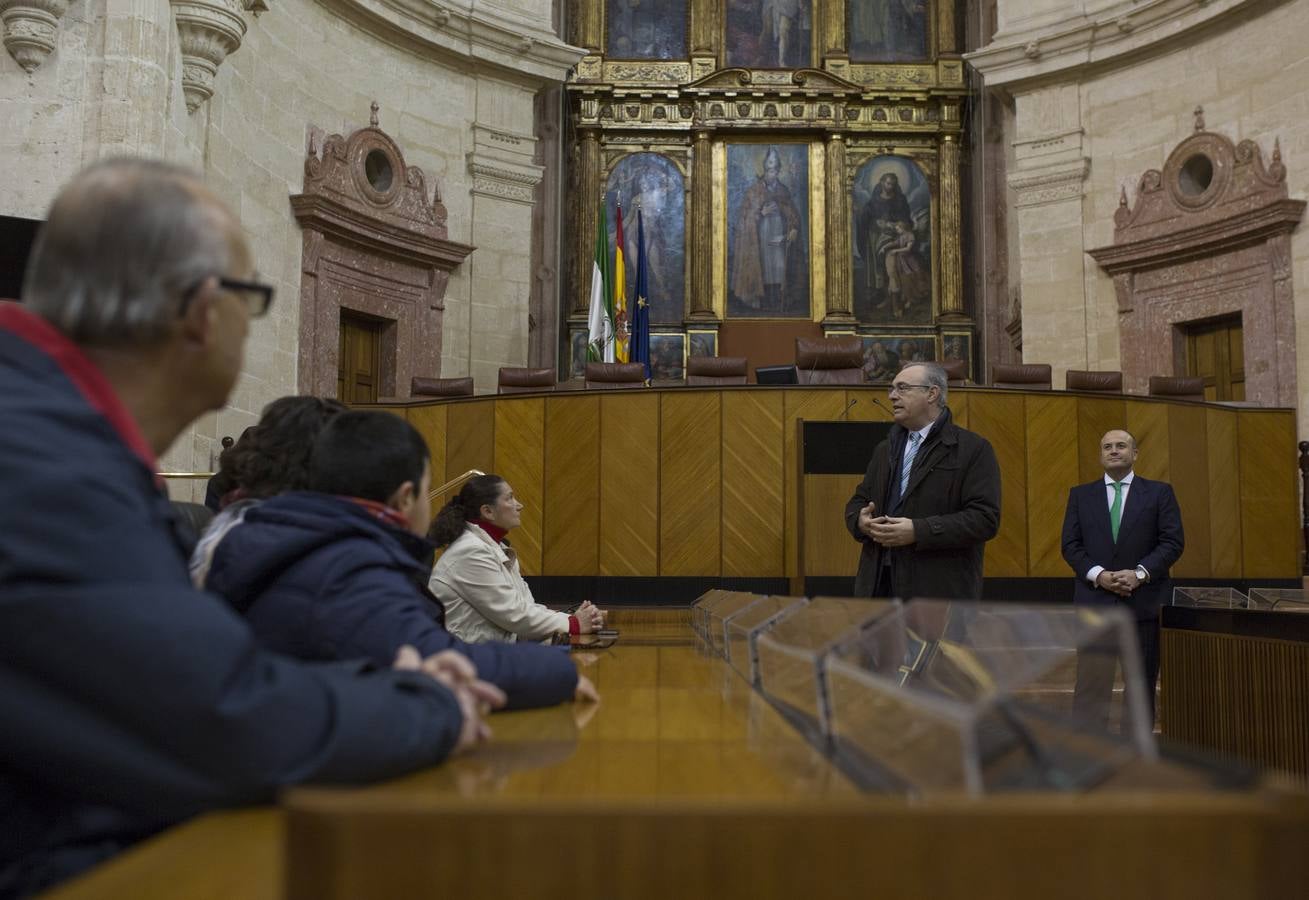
888, 31
891, 247
667, 357
769, 34
886, 355
653, 183
768, 230
645, 29
703, 343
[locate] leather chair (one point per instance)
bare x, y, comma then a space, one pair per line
193, 518
1103, 382
710, 370
956, 372
518, 380
441, 387
601, 376
1177, 387
831, 360
1027, 376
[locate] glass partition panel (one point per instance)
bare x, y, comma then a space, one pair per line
1279, 599
1209, 597
720, 613
743, 629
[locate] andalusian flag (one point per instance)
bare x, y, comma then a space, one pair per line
600, 323
641, 315
620, 294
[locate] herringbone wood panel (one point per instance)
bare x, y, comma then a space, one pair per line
867, 405
1053, 452
430, 423
629, 484
1224, 500
828, 547
1000, 418
1147, 420
470, 437
1188, 473
520, 460
816, 405
1095, 416
690, 483
753, 504
1269, 495
571, 544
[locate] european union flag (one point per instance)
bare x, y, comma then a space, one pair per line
640, 327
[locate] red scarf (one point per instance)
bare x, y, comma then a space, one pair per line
495, 531
382, 513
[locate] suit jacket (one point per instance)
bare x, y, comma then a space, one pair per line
953, 496
1149, 535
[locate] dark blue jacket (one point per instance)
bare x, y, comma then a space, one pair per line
319, 577
128, 699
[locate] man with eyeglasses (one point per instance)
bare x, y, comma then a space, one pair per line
929, 501
129, 699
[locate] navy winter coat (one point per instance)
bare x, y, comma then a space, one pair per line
319, 577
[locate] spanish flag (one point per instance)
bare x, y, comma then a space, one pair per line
620, 295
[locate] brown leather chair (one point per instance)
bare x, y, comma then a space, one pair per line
608, 376
709, 370
518, 380
441, 387
1027, 376
830, 360
1103, 382
956, 372
1177, 387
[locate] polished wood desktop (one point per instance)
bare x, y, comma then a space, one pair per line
684, 783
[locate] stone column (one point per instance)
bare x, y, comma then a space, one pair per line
952, 300
588, 205
701, 301
837, 250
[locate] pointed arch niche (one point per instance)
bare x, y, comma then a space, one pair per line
1209, 237
377, 249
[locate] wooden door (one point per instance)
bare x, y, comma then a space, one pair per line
1215, 352
359, 363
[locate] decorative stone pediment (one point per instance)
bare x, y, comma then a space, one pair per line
30, 29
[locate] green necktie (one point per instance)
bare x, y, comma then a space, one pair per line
1116, 511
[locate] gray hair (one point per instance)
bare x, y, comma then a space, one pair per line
125, 242
936, 378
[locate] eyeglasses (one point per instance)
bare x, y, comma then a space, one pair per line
257, 297
900, 387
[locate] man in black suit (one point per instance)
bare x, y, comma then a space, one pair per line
1121, 535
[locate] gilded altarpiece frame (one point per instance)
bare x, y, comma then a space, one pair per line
844, 111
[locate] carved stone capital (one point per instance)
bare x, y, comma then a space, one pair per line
503, 165
208, 31
1049, 184
30, 29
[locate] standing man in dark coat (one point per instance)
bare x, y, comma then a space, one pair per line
930, 499
1122, 533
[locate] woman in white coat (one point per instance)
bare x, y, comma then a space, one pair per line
477, 579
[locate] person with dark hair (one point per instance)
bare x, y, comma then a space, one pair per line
131, 700
478, 580
340, 571
270, 458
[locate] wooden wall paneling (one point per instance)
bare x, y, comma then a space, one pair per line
1270, 520
571, 542
1095, 416
1188, 472
430, 423
828, 547
690, 483
864, 406
470, 437
1224, 497
754, 506
1000, 417
520, 460
629, 485
957, 400
811, 404
1147, 420
1053, 453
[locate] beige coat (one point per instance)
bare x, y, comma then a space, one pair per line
484, 594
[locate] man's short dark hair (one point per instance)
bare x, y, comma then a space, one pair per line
367, 454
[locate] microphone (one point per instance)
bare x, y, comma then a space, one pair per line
845, 413
882, 406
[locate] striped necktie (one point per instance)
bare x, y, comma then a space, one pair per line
909, 453
1116, 511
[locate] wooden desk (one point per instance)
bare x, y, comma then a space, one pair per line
682, 783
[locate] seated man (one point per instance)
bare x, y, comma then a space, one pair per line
341, 571
129, 699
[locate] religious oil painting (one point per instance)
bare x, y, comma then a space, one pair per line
646, 29
667, 357
888, 31
768, 230
651, 183
891, 247
887, 354
578, 341
958, 346
768, 34
703, 343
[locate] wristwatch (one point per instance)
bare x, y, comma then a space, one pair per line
1141, 574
